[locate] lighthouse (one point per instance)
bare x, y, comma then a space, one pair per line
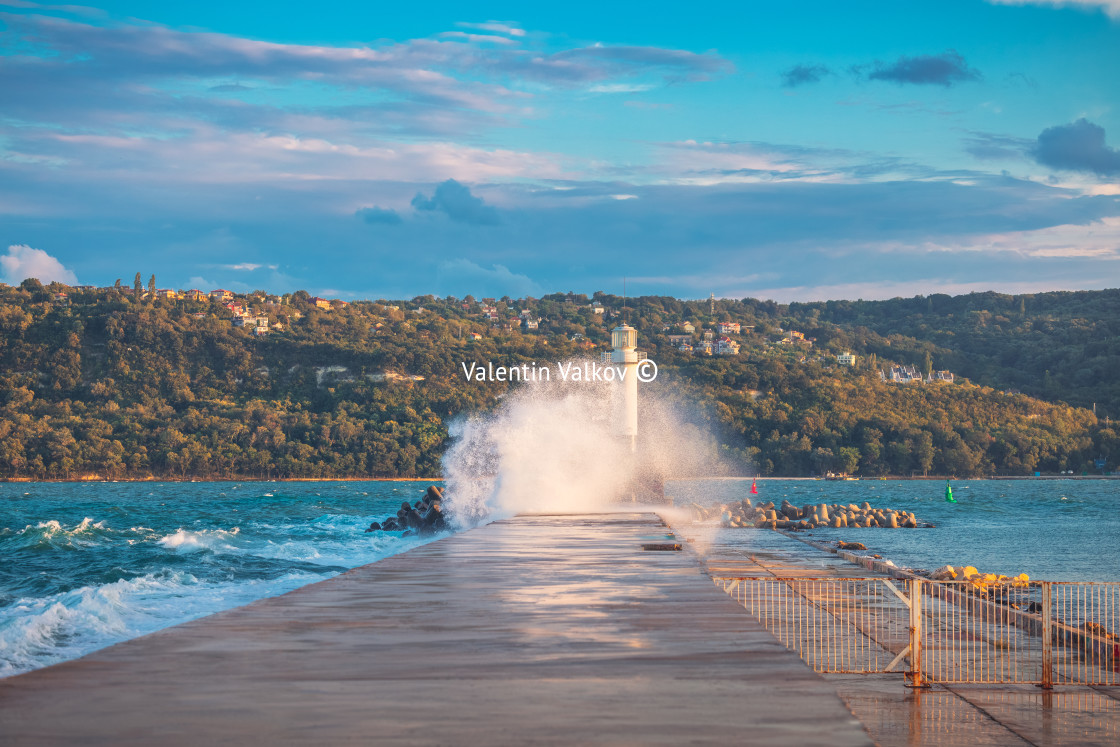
624, 358
645, 484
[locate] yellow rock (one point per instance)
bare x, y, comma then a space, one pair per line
969, 571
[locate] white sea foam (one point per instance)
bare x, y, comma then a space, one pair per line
38, 632
34, 632
214, 540
550, 446
53, 527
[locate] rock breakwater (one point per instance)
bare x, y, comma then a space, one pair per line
765, 515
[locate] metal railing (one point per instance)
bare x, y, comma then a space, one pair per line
1041, 633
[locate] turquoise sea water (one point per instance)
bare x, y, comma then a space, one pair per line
1057, 530
86, 565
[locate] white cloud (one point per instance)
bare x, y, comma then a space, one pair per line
1111, 7
497, 27
200, 282
880, 291
461, 277
24, 262
209, 156
620, 88
1096, 240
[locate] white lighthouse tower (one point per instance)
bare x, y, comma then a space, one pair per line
645, 484
625, 357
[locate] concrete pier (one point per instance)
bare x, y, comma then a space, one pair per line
535, 630
898, 716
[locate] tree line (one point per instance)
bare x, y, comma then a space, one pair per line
117, 383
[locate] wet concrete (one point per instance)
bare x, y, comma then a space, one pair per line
536, 630
899, 716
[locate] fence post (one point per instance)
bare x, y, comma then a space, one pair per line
915, 673
1047, 638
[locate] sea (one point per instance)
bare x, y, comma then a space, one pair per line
1050, 529
86, 565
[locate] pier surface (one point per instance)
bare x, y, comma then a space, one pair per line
535, 630
898, 716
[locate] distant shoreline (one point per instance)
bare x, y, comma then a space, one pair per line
888, 478
98, 479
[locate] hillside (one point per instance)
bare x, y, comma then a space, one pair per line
121, 383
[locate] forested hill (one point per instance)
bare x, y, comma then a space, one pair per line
124, 383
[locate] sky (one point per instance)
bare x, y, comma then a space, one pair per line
788, 151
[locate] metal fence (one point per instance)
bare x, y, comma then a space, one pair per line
1042, 633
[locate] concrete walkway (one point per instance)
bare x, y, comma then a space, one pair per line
536, 630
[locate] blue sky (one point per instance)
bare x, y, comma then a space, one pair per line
792, 151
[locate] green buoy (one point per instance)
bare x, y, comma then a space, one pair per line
949, 493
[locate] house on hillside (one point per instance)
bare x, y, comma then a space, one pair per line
321, 303
194, 294
726, 346
902, 375
221, 295
727, 328
846, 359
251, 321
530, 324
476, 336
166, 293
704, 347
946, 376
680, 339
688, 327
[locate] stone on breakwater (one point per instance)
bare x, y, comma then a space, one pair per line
787, 516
